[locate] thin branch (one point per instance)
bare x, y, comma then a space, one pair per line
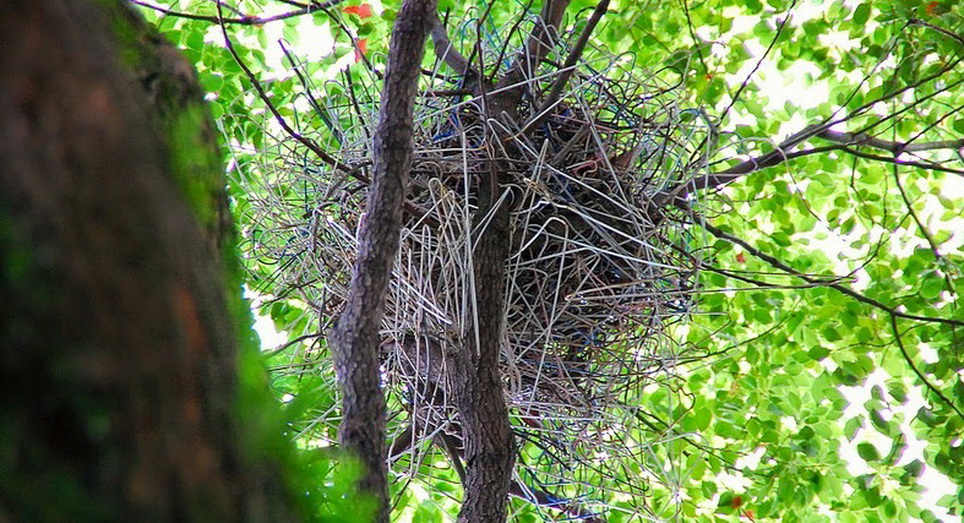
895, 161
447, 53
923, 378
539, 44
719, 233
568, 68
778, 155
759, 62
941, 30
310, 144
892, 147
244, 20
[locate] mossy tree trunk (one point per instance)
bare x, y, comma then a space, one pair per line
119, 351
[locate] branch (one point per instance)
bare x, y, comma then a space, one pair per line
568, 68
895, 161
945, 32
244, 20
893, 147
928, 384
356, 337
759, 62
891, 311
311, 145
447, 53
778, 155
719, 233
539, 44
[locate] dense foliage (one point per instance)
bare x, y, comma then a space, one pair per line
819, 376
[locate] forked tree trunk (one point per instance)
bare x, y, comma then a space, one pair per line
118, 350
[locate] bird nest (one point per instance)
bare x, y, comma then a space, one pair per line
597, 271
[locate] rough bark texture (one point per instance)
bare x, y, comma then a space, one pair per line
118, 361
356, 337
488, 439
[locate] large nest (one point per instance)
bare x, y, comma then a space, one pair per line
597, 270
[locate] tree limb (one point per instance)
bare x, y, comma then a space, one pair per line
355, 338
893, 147
913, 367
719, 233
539, 43
447, 53
311, 145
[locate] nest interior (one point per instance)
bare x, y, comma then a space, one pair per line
596, 275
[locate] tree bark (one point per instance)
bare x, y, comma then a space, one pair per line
356, 337
118, 366
488, 440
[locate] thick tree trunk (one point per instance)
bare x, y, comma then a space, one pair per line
356, 338
118, 362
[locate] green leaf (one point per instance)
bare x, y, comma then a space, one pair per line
867, 452
861, 14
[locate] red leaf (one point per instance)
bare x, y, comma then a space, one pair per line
737, 501
935, 8
363, 10
741, 258
361, 48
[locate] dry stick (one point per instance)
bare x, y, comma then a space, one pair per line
567, 69
244, 20
315, 148
356, 338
